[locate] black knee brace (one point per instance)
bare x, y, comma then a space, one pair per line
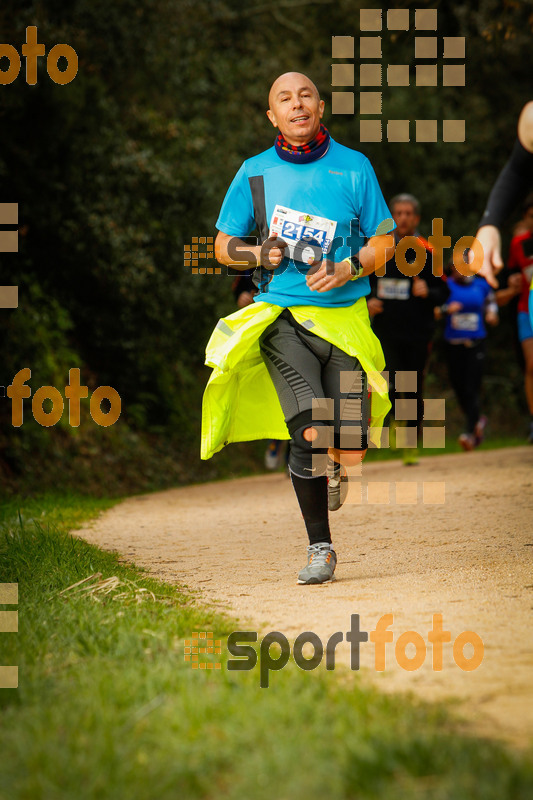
309, 459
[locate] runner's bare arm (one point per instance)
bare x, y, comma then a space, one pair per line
375, 254
525, 126
234, 252
489, 235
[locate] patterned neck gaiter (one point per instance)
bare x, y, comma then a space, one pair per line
304, 153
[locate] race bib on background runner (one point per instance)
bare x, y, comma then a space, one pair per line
394, 288
465, 322
294, 226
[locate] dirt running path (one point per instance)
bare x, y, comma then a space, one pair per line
241, 543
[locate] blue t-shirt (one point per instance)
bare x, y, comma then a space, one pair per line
341, 187
468, 323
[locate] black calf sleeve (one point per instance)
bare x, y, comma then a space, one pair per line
312, 494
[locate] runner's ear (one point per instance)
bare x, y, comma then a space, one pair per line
270, 114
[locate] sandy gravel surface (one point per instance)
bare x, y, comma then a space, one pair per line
240, 543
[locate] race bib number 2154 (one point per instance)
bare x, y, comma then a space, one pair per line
294, 226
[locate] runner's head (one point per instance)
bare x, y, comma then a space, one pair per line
451, 271
405, 210
295, 107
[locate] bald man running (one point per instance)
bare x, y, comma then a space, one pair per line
307, 335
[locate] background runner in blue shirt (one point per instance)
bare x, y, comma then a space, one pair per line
469, 305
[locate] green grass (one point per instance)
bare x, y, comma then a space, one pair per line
107, 708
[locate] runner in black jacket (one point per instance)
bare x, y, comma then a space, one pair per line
403, 319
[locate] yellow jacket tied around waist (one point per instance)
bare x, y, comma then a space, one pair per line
240, 403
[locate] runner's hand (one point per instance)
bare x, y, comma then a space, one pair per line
244, 299
319, 278
420, 287
515, 282
454, 306
375, 306
489, 238
272, 252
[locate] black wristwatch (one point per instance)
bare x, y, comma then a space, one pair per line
356, 268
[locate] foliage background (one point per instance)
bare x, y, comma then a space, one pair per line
116, 171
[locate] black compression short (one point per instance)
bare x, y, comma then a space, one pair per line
305, 368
